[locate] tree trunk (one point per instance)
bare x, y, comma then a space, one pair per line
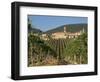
74, 59
80, 59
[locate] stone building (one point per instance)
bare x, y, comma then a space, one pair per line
63, 35
66, 34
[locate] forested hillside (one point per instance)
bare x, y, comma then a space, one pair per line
70, 28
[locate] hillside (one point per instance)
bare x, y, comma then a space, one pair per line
35, 30
70, 28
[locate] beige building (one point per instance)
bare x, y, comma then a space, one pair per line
64, 34
44, 37
58, 35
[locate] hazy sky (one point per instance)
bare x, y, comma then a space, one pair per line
45, 23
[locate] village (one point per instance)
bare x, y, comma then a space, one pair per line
62, 35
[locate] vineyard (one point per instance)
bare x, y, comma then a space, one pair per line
58, 46
57, 51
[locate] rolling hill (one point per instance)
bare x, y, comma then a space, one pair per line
34, 30
70, 28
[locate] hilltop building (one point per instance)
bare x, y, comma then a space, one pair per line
63, 35
44, 37
66, 34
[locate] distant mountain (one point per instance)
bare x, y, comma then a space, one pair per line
34, 30
69, 28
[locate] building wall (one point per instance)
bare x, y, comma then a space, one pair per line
64, 34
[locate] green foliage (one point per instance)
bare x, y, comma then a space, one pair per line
38, 49
77, 48
29, 24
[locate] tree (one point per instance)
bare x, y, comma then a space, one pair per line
29, 24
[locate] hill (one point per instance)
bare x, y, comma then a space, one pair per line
34, 30
70, 28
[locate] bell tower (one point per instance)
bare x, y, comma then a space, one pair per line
83, 30
64, 29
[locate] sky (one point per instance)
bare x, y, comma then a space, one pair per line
45, 23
